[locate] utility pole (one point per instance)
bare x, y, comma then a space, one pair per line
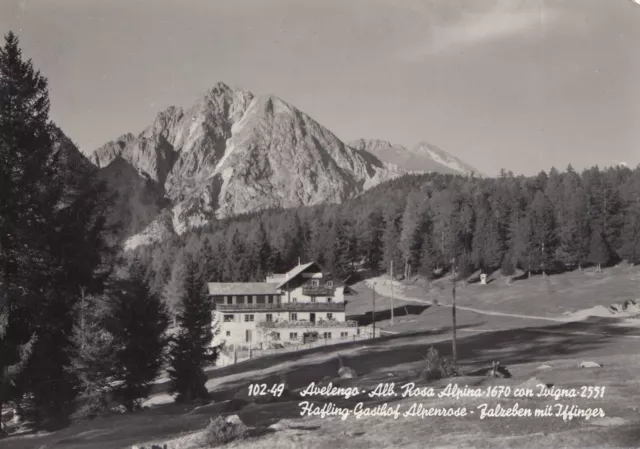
373, 309
392, 305
453, 315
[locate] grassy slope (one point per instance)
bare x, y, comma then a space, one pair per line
522, 344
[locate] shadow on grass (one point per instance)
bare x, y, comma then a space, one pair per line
366, 319
510, 347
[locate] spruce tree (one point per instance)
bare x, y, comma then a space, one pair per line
338, 255
173, 290
414, 226
390, 239
138, 321
373, 240
599, 253
27, 160
52, 242
261, 252
543, 232
95, 356
191, 350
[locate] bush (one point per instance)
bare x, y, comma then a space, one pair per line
219, 432
437, 367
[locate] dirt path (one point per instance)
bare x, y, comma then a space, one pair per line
398, 295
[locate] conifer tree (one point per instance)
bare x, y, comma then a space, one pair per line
391, 237
337, 255
261, 252
52, 230
373, 246
174, 288
542, 225
599, 253
414, 227
137, 320
191, 350
95, 356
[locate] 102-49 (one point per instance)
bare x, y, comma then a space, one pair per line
263, 390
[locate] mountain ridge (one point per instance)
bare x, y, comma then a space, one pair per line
232, 152
422, 157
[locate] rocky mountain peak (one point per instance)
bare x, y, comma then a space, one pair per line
233, 152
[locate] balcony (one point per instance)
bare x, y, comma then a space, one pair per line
294, 307
297, 324
318, 291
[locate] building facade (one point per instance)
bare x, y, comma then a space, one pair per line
297, 307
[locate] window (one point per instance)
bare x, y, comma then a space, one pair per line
228, 333
228, 318
327, 335
294, 300
293, 336
313, 299
294, 316
229, 299
344, 334
250, 299
314, 283
329, 316
269, 317
329, 299
248, 318
270, 300
275, 336
329, 284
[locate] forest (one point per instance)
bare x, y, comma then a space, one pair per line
430, 223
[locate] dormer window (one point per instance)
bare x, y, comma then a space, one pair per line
315, 283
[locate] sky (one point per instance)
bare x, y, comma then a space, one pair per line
524, 85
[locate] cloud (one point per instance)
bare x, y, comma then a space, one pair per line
481, 23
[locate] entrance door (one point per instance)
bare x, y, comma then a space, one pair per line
248, 336
312, 317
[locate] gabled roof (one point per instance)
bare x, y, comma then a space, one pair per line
292, 274
242, 288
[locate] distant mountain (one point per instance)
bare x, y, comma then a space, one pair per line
423, 157
230, 153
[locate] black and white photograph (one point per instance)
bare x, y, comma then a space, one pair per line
367, 224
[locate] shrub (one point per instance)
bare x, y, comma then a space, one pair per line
437, 367
219, 432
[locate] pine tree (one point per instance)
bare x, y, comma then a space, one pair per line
337, 255
191, 349
542, 224
630, 249
52, 242
390, 239
414, 227
630, 235
599, 253
137, 320
173, 290
373, 246
261, 250
522, 242
27, 159
95, 357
